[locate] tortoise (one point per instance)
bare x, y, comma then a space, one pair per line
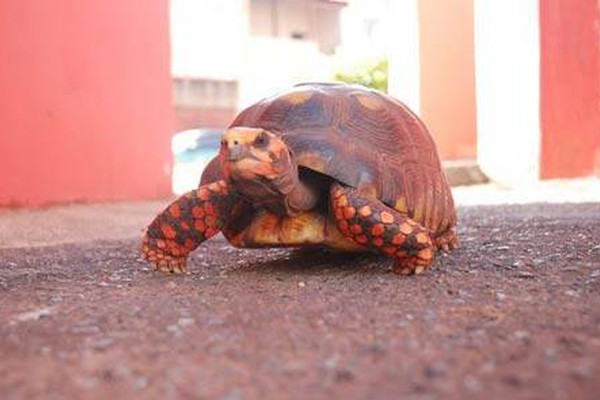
321, 164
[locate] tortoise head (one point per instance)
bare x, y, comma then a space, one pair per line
249, 154
262, 168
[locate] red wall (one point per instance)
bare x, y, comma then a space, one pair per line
447, 55
570, 88
85, 106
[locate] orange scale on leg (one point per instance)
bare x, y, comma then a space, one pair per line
362, 239
168, 231
210, 232
365, 211
389, 250
175, 210
405, 228
203, 194
214, 187
386, 217
199, 225
338, 213
356, 228
398, 239
197, 212
422, 237
401, 253
343, 225
210, 220
185, 226
189, 244
378, 242
175, 251
377, 229
349, 212
208, 208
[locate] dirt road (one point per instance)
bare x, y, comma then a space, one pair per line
514, 313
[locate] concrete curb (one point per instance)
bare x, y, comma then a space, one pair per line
464, 172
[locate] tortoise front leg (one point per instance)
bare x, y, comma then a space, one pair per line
372, 224
185, 224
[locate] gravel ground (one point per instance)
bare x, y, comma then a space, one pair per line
514, 313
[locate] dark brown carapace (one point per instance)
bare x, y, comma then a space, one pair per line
322, 164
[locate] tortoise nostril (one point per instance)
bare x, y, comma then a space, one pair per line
235, 143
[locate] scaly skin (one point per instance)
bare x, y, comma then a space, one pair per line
187, 222
372, 224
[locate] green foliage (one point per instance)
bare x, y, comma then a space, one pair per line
372, 75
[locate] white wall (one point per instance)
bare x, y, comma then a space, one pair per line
507, 89
404, 78
207, 38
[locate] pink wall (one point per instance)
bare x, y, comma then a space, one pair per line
85, 106
447, 56
570, 88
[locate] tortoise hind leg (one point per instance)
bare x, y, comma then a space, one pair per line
372, 224
185, 224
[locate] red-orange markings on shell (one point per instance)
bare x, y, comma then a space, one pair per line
210, 220
386, 217
197, 212
349, 212
199, 225
398, 239
356, 228
175, 210
365, 211
378, 242
362, 239
377, 230
168, 231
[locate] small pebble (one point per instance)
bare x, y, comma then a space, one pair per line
301, 284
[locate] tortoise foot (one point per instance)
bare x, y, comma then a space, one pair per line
153, 250
447, 241
411, 265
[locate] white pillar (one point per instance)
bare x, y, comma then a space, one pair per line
404, 80
507, 52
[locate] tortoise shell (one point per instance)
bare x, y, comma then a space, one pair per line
364, 139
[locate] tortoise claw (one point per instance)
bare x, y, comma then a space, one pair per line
171, 265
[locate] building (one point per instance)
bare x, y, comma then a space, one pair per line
229, 54
514, 83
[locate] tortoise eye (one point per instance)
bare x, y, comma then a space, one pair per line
261, 140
